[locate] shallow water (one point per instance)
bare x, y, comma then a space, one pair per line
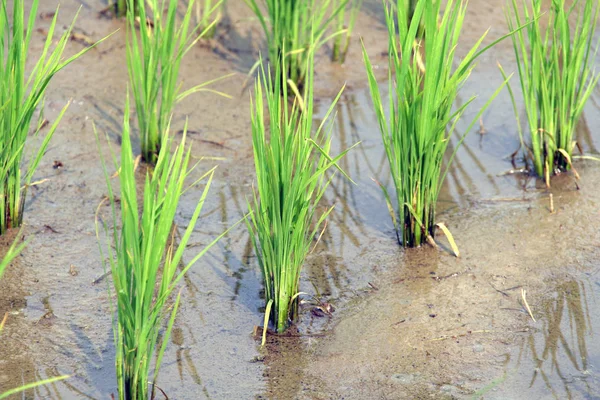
408, 324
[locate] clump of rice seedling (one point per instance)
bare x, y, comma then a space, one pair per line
341, 42
422, 91
146, 259
208, 15
290, 164
153, 62
556, 75
121, 6
298, 26
19, 99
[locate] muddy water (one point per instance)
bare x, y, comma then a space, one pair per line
408, 324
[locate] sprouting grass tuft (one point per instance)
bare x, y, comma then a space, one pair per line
122, 6
208, 15
290, 162
20, 97
153, 61
146, 262
423, 83
556, 75
298, 27
341, 42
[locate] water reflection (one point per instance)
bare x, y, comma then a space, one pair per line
561, 358
184, 357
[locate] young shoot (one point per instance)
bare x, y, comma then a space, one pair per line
299, 27
341, 42
121, 6
145, 256
20, 97
291, 161
153, 60
556, 71
208, 15
423, 82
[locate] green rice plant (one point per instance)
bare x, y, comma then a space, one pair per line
556, 70
290, 162
208, 15
299, 27
153, 62
121, 6
146, 263
423, 84
20, 97
341, 42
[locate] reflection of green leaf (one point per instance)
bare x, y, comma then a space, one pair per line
562, 345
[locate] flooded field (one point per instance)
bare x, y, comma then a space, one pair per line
417, 323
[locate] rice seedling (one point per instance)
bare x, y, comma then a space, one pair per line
120, 8
19, 99
423, 85
341, 42
146, 263
299, 27
556, 75
208, 15
153, 62
290, 164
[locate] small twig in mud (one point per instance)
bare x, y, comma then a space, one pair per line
3, 321
47, 15
513, 288
499, 291
504, 200
48, 228
452, 275
82, 39
522, 170
258, 331
100, 278
157, 387
482, 130
373, 286
523, 296
552, 211
459, 335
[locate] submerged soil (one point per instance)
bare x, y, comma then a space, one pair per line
416, 323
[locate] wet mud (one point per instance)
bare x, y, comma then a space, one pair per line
416, 323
